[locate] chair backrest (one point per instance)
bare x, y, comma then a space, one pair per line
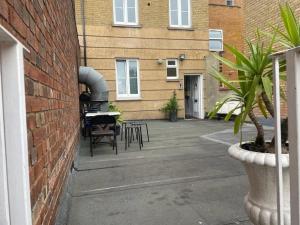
103, 120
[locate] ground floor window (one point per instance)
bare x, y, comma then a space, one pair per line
172, 69
127, 74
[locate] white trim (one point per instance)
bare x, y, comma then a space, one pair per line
128, 96
176, 66
15, 131
200, 94
125, 14
179, 16
4, 205
218, 39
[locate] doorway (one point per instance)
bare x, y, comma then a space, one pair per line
193, 95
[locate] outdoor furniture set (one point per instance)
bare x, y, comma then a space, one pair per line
98, 125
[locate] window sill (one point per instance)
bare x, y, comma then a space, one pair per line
223, 5
120, 99
173, 80
181, 28
126, 26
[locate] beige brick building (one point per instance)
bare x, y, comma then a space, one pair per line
261, 14
130, 43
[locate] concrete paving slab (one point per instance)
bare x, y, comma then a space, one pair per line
182, 176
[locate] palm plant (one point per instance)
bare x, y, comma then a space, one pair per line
290, 37
255, 86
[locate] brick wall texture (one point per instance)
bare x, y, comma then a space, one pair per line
261, 15
231, 21
48, 30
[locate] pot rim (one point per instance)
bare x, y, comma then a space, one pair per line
258, 158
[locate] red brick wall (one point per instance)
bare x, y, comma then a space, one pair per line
231, 21
48, 30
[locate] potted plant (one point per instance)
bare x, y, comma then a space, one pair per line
254, 90
171, 108
113, 108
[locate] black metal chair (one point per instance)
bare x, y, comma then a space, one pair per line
102, 126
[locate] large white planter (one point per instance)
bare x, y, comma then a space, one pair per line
260, 203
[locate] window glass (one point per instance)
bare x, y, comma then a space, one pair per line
121, 74
172, 71
215, 34
174, 17
127, 75
125, 11
215, 45
133, 77
131, 11
180, 13
185, 5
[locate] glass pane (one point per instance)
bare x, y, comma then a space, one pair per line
131, 3
119, 3
131, 15
171, 62
132, 69
133, 77
122, 86
121, 74
133, 86
172, 72
185, 18
174, 5
215, 45
215, 34
174, 17
119, 15
185, 5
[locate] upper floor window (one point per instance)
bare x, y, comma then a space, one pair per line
216, 40
172, 69
180, 13
230, 2
125, 12
127, 74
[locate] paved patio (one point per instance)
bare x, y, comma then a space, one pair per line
184, 176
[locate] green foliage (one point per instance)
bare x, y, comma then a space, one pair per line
114, 108
171, 105
254, 78
290, 37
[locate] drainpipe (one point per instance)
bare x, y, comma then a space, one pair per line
83, 20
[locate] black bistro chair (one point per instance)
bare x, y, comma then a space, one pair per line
102, 126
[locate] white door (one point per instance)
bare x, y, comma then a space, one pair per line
4, 206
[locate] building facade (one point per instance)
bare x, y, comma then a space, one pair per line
256, 18
226, 26
146, 50
48, 34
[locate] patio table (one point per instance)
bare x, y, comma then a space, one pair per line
92, 114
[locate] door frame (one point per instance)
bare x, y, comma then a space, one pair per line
15, 176
200, 93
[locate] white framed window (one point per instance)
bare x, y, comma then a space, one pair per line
128, 79
215, 40
180, 13
172, 69
229, 2
125, 12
